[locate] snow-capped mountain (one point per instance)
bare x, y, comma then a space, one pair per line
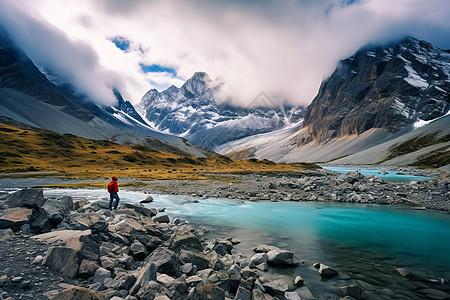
379, 96
193, 113
28, 96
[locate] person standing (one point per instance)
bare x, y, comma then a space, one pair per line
113, 189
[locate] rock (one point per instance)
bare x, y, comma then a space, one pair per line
208, 292
26, 229
40, 223
151, 290
63, 259
165, 260
262, 267
243, 294
264, 248
14, 218
222, 247
298, 281
280, 257
195, 257
101, 274
416, 275
57, 210
147, 200
277, 287
6, 234
29, 198
193, 280
247, 272
434, 294
150, 242
292, 296
259, 295
162, 219
123, 281
316, 265
220, 279
258, 259
79, 203
233, 240
326, 271
353, 291
184, 239
87, 268
145, 275
138, 251
79, 293
140, 209
38, 260
99, 226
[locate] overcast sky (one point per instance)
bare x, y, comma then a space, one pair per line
281, 47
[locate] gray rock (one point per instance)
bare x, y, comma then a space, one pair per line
353, 291
262, 267
145, 275
63, 259
258, 259
195, 257
40, 223
147, 200
165, 260
223, 247
38, 260
277, 287
140, 209
220, 279
101, 274
162, 219
247, 272
123, 281
6, 234
259, 295
138, 251
280, 257
298, 281
292, 296
29, 198
151, 290
326, 271
243, 294
264, 248
150, 242
57, 210
26, 229
184, 239
187, 268
208, 292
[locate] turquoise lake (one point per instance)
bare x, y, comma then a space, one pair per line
358, 240
391, 176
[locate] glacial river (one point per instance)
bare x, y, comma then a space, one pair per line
363, 242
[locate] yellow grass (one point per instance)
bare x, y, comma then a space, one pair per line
37, 152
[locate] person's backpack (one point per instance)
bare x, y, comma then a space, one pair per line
111, 187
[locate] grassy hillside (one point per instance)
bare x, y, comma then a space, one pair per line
28, 149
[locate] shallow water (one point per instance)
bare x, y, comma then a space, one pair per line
363, 242
390, 176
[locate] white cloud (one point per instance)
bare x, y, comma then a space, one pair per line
284, 48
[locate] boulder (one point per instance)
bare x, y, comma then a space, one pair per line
353, 291
184, 239
243, 294
29, 198
145, 275
138, 251
264, 248
258, 259
63, 259
195, 257
147, 200
82, 221
6, 234
326, 271
292, 296
151, 290
40, 223
162, 219
79, 293
79, 203
26, 229
99, 226
140, 209
165, 260
280, 257
14, 218
220, 279
298, 281
208, 292
57, 210
101, 275
123, 281
259, 295
87, 268
150, 242
277, 287
223, 247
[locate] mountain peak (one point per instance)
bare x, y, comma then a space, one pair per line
196, 85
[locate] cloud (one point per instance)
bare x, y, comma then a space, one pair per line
281, 47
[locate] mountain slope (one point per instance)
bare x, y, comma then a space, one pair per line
193, 113
380, 96
29, 97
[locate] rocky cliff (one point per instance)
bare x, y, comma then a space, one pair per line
389, 88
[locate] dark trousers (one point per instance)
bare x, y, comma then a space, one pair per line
113, 196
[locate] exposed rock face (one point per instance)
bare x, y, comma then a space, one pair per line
385, 87
193, 112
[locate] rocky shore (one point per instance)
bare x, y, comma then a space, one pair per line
61, 249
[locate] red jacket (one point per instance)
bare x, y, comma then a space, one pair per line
113, 187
